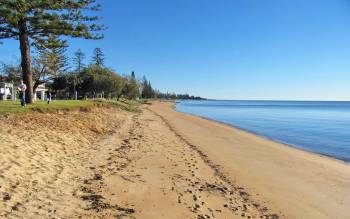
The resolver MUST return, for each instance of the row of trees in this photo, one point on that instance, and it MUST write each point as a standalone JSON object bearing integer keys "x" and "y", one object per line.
{"x": 74, "y": 79}
{"x": 36, "y": 23}
{"x": 40, "y": 24}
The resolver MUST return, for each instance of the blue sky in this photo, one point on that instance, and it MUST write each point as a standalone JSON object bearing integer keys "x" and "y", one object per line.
{"x": 228, "y": 49}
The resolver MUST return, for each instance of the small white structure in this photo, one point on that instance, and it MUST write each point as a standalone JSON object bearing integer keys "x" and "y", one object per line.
{"x": 40, "y": 92}
{"x": 7, "y": 91}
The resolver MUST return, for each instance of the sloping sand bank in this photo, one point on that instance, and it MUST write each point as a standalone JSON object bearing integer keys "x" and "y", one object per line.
{"x": 109, "y": 163}
{"x": 297, "y": 183}
{"x": 46, "y": 158}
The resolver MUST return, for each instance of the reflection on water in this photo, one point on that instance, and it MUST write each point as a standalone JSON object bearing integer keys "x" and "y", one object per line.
{"x": 318, "y": 126}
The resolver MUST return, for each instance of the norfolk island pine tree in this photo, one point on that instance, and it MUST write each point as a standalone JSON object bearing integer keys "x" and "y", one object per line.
{"x": 33, "y": 21}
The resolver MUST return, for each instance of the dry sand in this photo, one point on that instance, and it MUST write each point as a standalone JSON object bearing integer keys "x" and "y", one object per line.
{"x": 158, "y": 163}
{"x": 297, "y": 183}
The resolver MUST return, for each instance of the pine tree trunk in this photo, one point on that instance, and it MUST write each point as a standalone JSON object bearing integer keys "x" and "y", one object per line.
{"x": 26, "y": 63}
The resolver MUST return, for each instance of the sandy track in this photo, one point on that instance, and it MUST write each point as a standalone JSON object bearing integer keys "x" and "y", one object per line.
{"x": 111, "y": 164}
{"x": 156, "y": 174}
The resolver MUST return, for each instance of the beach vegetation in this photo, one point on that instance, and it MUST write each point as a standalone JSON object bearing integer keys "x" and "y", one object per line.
{"x": 99, "y": 58}
{"x": 131, "y": 88}
{"x": 78, "y": 60}
{"x": 34, "y": 22}
{"x": 50, "y": 61}
{"x": 13, "y": 107}
{"x": 147, "y": 90}
{"x": 44, "y": 27}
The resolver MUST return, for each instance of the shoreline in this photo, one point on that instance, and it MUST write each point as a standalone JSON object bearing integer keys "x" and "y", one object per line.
{"x": 300, "y": 148}
{"x": 112, "y": 163}
{"x": 295, "y": 182}
{"x": 109, "y": 163}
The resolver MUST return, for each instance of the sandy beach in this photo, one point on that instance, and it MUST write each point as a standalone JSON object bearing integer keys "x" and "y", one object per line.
{"x": 296, "y": 183}
{"x": 159, "y": 163}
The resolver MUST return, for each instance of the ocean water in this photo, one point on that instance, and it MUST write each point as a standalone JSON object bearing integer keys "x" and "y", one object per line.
{"x": 321, "y": 127}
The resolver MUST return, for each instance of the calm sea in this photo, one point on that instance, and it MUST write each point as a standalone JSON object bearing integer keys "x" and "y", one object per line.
{"x": 318, "y": 126}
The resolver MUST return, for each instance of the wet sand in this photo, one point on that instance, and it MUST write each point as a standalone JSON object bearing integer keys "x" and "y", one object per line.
{"x": 158, "y": 163}
{"x": 297, "y": 183}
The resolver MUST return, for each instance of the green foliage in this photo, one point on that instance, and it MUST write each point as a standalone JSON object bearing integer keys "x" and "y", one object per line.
{"x": 43, "y": 18}
{"x": 51, "y": 60}
{"x": 37, "y": 21}
{"x": 63, "y": 82}
{"x": 173, "y": 96}
{"x": 11, "y": 107}
{"x": 41, "y": 23}
{"x": 131, "y": 89}
{"x": 15, "y": 107}
{"x": 53, "y": 55}
{"x": 98, "y": 80}
{"x": 78, "y": 60}
{"x": 99, "y": 58}
{"x": 147, "y": 90}
{"x": 11, "y": 72}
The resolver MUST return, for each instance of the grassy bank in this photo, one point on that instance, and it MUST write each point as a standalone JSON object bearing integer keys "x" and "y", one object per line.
{"x": 14, "y": 107}
{"x": 129, "y": 105}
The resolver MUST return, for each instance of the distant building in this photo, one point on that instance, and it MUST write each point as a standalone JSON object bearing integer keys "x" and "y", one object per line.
{"x": 7, "y": 91}
{"x": 40, "y": 92}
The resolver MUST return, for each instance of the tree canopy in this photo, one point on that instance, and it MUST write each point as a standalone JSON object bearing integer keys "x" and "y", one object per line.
{"x": 42, "y": 18}
{"x": 78, "y": 60}
{"x": 33, "y": 22}
{"x": 98, "y": 58}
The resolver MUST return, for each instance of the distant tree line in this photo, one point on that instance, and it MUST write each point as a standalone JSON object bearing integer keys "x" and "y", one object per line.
{"x": 74, "y": 79}
{"x": 147, "y": 91}
{"x": 178, "y": 96}
{"x": 38, "y": 26}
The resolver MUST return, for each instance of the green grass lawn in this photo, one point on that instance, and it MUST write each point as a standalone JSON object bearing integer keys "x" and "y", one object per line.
{"x": 9, "y": 107}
